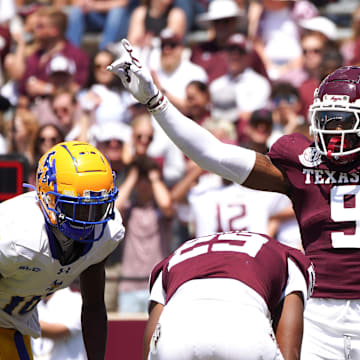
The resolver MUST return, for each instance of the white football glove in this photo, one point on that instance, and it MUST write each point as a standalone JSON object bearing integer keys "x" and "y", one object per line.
{"x": 135, "y": 78}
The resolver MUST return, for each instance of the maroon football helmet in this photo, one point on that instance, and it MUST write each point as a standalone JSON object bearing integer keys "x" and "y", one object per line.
{"x": 335, "y": 115}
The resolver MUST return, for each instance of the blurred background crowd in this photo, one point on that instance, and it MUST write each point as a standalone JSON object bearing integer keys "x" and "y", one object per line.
{"x": 244, "y": 69}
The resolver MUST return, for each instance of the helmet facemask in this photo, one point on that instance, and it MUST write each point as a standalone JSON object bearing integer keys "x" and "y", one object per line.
{"x": 337, "y": 134}
{"x": 77, "y": 216}
{"x": 335, "y": 115}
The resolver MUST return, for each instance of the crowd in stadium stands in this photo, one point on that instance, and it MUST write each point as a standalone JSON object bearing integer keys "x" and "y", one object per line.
{"x": 244, "y": 69}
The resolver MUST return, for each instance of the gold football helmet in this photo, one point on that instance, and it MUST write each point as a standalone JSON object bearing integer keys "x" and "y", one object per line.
{"x": 76, "y": 189}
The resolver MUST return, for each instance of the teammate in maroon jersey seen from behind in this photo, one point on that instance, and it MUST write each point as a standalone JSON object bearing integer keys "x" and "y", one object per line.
{"x": 321, "y": 178}
{"x": 217, "y": 297}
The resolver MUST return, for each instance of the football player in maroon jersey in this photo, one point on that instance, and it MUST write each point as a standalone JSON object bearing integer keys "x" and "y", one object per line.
{"x": 322, "y": 178}
{"x": 216, "y": 296}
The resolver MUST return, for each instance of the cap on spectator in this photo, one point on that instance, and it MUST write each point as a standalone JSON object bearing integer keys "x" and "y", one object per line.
{"x": 238, "y": 41}
{"x": 321, "y": 24}
{"x": 168, "y": 35}
{"x": 60, "y": 63}
{"x": 220, "y": 9}
{"x": 261, "y": 116}
{"x": 111, "y": 131}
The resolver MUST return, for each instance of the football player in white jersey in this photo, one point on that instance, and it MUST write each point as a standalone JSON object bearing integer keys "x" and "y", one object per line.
{"x": 48, "y": 237}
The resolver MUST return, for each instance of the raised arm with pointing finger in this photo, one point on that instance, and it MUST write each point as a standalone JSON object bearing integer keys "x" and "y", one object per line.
{"x": 231, "y": 162}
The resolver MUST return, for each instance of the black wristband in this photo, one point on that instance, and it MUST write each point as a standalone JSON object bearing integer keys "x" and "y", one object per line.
{"x": 155, "y": 101}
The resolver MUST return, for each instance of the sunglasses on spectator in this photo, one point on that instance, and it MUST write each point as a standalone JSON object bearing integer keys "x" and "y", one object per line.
{"x": 313, "y": 50}
{"x": 62, "y": 110}
{"x": 169, "y": 44}
{"x": 51, "y": 139}
{"x": 262, "y": 122}
{"x": 100, "y": 66}
{"x": 234, "y": 48}
{"x": 290, "y": 99}
{"x": 108, "y": 142}
{"x": 146, "y": 137}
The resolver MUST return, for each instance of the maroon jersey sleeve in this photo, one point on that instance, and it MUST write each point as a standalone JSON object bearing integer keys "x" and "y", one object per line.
{"x": 326, "y": 199}
{"x": 156, "y": 272}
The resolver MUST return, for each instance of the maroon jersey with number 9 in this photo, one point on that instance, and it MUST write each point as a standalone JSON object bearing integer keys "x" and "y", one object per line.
{"x": 326, "y": 201}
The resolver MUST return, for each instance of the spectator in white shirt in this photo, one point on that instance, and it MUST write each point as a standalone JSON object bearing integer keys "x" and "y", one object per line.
{"x": 241, "y": 91}
{"x": 174, "y": 71}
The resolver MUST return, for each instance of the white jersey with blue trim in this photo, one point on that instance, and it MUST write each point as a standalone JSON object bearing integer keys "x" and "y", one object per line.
{"x": 28, "y": 269}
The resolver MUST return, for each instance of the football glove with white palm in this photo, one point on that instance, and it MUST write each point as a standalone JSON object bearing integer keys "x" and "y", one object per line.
{"x": 135, "y": 78}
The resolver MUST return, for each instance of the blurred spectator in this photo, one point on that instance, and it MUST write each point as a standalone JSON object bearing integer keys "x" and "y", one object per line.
{"x": 7, "y": 12}
{"x": 150, "y": 18}
{"x": 222, "y": 129}
{"x": 258, "y": 131}
{"x": 72, "y": 119}
{"x": 60, "y": 321}
{"x": 222, "y": 18}
{"x": 330, "y": 61}
{"x": 111, "y": 18}
{"x": 278, "y": 38}
{"x": 142, "y": 135}
{"x": 197, "y": 101}
{"x": 50, "y": 33}
{"x": 46, "y": 137}
{"x": 64, "y": 110}
{"x": 23, "y": 45}
{"x": 145, "y": 204}
{"x": 60, "y": 71}
{"x": 175, "y": 72}
{"x": 350, "y": 48}
{"x": 110, "y": 138}
{"x": 103, "y": 97}
{"x": 286, "y": 110}
{"x": 21, "y": 132}
{"x": 238, "y": 93}
{"x": 148, "y": 138}
{"x": 313, "y": 45}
